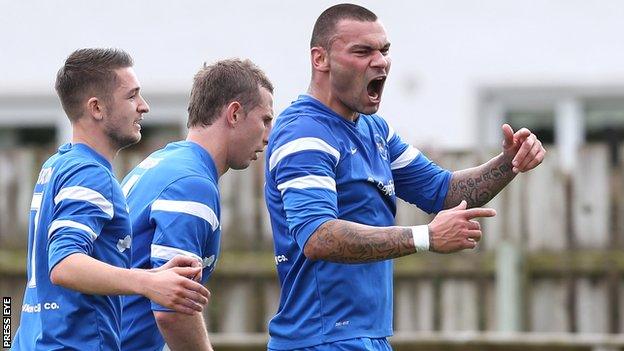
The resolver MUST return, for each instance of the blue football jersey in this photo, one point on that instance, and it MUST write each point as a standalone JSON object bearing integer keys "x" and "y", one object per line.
{"x": 173, "y": 197}
{"x": 77, "y": 207}
{"x": 320, "y": 167}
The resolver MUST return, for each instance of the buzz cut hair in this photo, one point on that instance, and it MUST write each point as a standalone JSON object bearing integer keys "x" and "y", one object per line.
{"x": 325, "y": 26}
{"x": 86, "y": 73}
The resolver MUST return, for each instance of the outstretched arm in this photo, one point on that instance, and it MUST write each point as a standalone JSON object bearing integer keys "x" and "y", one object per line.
{"x": 522, "y": 151}
{"x": 349, "y": 242}
{"x": 169, "y": 287}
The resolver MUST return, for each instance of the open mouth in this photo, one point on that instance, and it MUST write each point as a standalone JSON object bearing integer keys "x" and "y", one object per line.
{"x": 137, "y": 122}
{"x": 256, "y": 153}
{"x": 375, "y": 88}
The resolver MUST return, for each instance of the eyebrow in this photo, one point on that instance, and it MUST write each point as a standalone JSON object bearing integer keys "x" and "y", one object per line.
{"x": 369, "y": 47}
{"x": 134, "y": 91}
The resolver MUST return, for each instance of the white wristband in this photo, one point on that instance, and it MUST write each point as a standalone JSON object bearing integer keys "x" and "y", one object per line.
{"x": 420, "y": 233}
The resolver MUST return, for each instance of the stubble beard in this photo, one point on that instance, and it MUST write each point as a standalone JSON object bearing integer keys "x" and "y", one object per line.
{"x": 119, "y": 140}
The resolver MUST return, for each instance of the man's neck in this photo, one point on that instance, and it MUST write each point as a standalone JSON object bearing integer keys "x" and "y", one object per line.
{"x": 99, "y": 143}
{"x": 325, "y": 96}
{"x": 214, "y": 141}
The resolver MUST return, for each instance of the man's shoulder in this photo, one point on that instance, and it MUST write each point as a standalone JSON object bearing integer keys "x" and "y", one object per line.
{"x": 70, "y": 165}
{"x": 303, "y": 125}
{"x": 170, "y": 165}
{"x": 175, "y": 182}
{"x": 196, "y": 183}
{"x": 377, "y": 121}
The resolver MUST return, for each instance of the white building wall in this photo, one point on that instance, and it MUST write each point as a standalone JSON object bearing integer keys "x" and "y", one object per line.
{"x": 443, "y": 51}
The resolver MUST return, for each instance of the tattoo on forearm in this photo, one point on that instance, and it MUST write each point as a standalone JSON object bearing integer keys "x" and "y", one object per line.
{"x": 348, "y": 242}
{"x": 480, "y": 184}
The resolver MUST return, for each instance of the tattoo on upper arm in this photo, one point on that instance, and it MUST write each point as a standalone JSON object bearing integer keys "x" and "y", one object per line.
{"x": 346, "y": 242}
{"x": 478, "y": 187}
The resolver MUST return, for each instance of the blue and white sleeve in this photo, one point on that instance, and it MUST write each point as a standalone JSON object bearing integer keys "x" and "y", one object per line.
{"x": 83, "y": 204}
{"x": 304, "y": 170}
{"x": 186, "y": 220}
{"x": 417, "y": 180}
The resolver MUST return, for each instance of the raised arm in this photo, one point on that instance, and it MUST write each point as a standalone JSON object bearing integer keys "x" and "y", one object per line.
{"x": 522, "y": 151}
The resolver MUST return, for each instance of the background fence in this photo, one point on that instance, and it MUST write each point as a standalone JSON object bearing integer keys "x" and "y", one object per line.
{"x": 565, "y": 232}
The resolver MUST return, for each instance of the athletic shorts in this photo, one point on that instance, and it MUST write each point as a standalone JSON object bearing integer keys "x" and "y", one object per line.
{"x": 357, "y": 344}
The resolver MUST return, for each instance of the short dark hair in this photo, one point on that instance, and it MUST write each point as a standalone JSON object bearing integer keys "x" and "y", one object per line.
{"x": 88, "y": 72}
{"x": 325, "y": 25}
{"x": 222, "y": 82}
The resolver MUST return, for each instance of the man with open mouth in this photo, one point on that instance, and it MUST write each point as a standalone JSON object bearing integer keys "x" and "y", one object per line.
{"x": 334, "y": 170}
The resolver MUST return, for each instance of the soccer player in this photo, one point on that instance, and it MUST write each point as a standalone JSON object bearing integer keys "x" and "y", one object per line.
{"x": 79, "y": 232}
{"x": 174, "y": 196}
{"x": 334, "y": 170}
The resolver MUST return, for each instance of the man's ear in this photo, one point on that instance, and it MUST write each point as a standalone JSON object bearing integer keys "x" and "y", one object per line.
{"x": 95, "y": 109}
{"x": 233, "y": 113}
{"x": 320, "y": 59}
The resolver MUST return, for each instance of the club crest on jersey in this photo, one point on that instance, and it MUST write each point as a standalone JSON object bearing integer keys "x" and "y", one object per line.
{"x": 124, "y": 243}
{"x": 381, "y": 146}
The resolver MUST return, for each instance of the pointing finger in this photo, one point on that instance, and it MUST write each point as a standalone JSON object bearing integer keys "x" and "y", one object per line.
{"x": 479, "y": 212}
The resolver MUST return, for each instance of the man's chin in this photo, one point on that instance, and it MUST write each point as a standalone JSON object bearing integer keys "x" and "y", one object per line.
{"x": 127, "y": 142}
{"x": 241, "y": 166}
{"x": 369, "y": 110}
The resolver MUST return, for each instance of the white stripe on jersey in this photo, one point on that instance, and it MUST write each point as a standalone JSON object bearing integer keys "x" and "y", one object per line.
{"x": 189, "y": 207}
{"x": 35, "y": 204}
{"x": 166, "y": 252}
{"x": 85, "y": 194}
{"x": 62, "y": 223}
{"x": 309, "y": 181}
{"x": 129, "y": 184}
{"x": 301, "y": 144}
{"x": 149, "y": 162}
{"x": 390, "y": 134}
{"x": 406, "y": 158}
